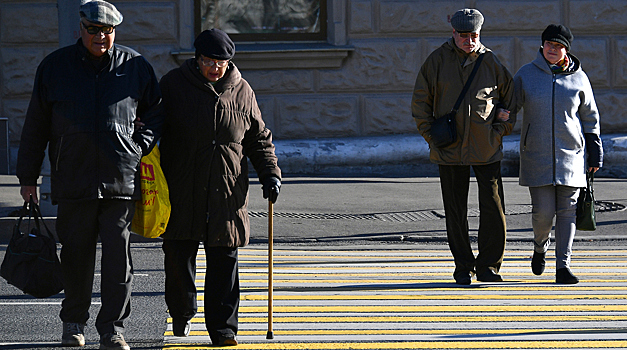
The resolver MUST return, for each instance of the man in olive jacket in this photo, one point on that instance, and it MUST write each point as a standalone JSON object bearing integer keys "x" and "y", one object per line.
{"x": 482, "y": 120}
{"x": 213, "y": 125}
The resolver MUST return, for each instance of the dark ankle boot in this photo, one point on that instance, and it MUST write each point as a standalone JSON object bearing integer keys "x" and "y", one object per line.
{"x": 537, "y": 263}
{"x": 564, "y": 276}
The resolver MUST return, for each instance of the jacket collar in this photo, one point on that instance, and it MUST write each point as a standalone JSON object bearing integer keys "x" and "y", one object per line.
{"x": 542, "y": 63}
{"x": 230, "y": 79}
{"x": 466, "y": 58}
{"x": 85, "y": 53}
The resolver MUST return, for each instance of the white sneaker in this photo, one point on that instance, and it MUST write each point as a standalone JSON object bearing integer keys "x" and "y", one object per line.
{"x": 113, "y": 341}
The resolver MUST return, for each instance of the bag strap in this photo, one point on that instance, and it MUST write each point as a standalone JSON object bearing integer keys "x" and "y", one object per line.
{"x": 23, "y": 213}
{"x": 38, "y": 216}
{"x": 467, "y": 85}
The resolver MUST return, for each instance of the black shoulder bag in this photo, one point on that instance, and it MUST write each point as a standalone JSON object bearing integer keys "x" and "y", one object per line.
{"x": 31, "y": 262}
{"x": 444, "y": 129}
{"x": 586, "y": 220}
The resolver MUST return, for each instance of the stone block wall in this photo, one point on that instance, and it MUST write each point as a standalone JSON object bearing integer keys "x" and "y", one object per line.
{"x": 370, "y": 93}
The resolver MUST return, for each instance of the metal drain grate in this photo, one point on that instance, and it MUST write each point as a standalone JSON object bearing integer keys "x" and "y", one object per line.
{"x": 420, "y": 215}
{"x": 408, "y": 216}
{"x": 257, "y": 214}
{"x": 601, "y": 206}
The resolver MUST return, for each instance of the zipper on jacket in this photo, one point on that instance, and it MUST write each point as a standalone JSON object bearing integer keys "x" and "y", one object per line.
{"x": 553, "y": 125}
{"x": 56, "y": 166}
{"x": 526, "y": 136}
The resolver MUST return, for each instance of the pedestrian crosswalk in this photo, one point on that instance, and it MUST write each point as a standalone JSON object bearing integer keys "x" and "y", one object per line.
{"x": 405, "y": 298}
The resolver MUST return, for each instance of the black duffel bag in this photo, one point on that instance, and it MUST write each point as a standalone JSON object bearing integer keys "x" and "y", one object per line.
{"x": 31, "y": 262}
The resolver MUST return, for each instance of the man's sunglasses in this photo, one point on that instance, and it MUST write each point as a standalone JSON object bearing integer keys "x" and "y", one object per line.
{"x": 96, "y": 29}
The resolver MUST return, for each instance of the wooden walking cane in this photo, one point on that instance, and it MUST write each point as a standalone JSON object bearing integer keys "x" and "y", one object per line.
{"x": 270, "y": 334}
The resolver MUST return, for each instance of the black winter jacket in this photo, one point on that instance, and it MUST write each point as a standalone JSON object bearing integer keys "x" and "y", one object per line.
{"x": 87, "y": 119}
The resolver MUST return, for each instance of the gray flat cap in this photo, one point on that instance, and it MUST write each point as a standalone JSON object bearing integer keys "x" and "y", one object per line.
{"x": 101, "y": 12}
{"x": 467, "y": 20}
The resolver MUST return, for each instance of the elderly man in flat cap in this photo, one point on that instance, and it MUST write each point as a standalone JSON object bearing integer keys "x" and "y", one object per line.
{"x": 85, "y": 102}
{"x": 212, "y": 127}
{"x": 480, "y": 114}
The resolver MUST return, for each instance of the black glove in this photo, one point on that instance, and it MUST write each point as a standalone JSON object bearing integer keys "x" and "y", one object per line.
{"x": 271, "y": 187}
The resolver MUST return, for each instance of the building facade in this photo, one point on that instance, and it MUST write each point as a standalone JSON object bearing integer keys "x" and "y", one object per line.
{"x": 355, "y": 83}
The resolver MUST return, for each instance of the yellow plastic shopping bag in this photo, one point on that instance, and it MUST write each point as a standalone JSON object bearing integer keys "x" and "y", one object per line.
{"x": 152, "y": 212}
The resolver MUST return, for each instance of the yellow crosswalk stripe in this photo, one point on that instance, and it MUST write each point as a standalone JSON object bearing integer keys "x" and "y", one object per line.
{"x": 407, "y": 299}
{"x": 567, "y": 344}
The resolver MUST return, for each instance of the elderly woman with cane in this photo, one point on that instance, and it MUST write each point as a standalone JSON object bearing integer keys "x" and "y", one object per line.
{"x": 213, "y": 125}
{"x": 559, "y": 142}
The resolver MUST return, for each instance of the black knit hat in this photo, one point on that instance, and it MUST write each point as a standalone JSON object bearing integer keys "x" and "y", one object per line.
{"x": 559, "y": 34}
{"x": 214, "y": 43}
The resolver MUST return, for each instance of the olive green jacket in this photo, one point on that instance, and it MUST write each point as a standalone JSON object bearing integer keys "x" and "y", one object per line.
{"x": 438, "y": 85}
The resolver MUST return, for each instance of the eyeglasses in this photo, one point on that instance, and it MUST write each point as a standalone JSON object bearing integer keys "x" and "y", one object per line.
{"x": 210, "y": 63}
{"x": 469, "y": 35}
{"x": 93, "y": 30}
{"x": 553, "y": 45}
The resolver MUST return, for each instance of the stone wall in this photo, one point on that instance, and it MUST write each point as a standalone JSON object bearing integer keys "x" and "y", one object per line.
{"x": 370, "y": 93}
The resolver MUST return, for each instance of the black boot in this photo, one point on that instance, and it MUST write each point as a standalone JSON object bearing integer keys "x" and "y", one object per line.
{"x": 537, "y": 263}
{"x": 564, "y": 276}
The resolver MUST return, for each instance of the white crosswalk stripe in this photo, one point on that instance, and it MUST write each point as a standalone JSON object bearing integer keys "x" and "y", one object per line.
{"x": 406, "y": 299}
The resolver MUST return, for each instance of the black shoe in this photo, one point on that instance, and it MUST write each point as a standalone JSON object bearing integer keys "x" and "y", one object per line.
{"x": 538, "y": 263}
{"x": 73, "y": 334}
{"x": 181, "y": 328}
{"x": 564, "y": 276}
{"x": 226, "y": 340}
{"x": 464, "y": 278}
{"x": 489, "y": 276}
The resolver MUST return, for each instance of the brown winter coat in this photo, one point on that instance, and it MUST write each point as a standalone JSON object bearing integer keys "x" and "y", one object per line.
{"x": 209, "y": 132}
{"x": 438, "y": 85}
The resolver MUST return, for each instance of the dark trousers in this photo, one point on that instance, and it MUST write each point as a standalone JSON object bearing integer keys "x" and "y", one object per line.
{"x": 454, "y": 181}
{"x": 222, "y": 292}
{"x": 79, "y": 223}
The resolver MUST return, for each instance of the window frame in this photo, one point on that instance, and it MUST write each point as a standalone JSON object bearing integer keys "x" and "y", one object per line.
{"x": 323, "y": 54}
{"x": 272, "y": 37}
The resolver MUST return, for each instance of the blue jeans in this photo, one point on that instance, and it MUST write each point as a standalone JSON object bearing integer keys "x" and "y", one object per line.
{"x": 558, "y": 202}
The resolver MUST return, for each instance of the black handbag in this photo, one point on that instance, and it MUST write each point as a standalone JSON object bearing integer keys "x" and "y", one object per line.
{"x": 31, "y": 262}
{"x": 586, "y": 220}
{"x": 444, "y": 129}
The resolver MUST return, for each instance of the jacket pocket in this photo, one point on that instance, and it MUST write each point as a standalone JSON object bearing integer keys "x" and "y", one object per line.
{"x": 524, "y": 144}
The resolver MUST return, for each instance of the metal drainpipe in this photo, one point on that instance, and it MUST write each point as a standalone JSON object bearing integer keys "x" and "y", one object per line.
{"x": 68, "y": 34}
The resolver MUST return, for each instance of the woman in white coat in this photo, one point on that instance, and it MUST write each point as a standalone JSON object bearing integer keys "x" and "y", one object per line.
{"x": 560, "y": 141}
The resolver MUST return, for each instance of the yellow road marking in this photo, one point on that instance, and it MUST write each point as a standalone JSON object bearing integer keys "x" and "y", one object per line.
{"x": 404, "y": 281}
{"x": 434, "y": 318}
{"x": 441, "y": 308}
{"x": 406, "y": 274}
{"x": 413, "y": 331}
{"x": 539, "y": 285}
{"x": 435, "y": 308}
{"x": 435, "y": 297}
{"x": 527, "y": 344}
{"x": 504, "y": 269}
